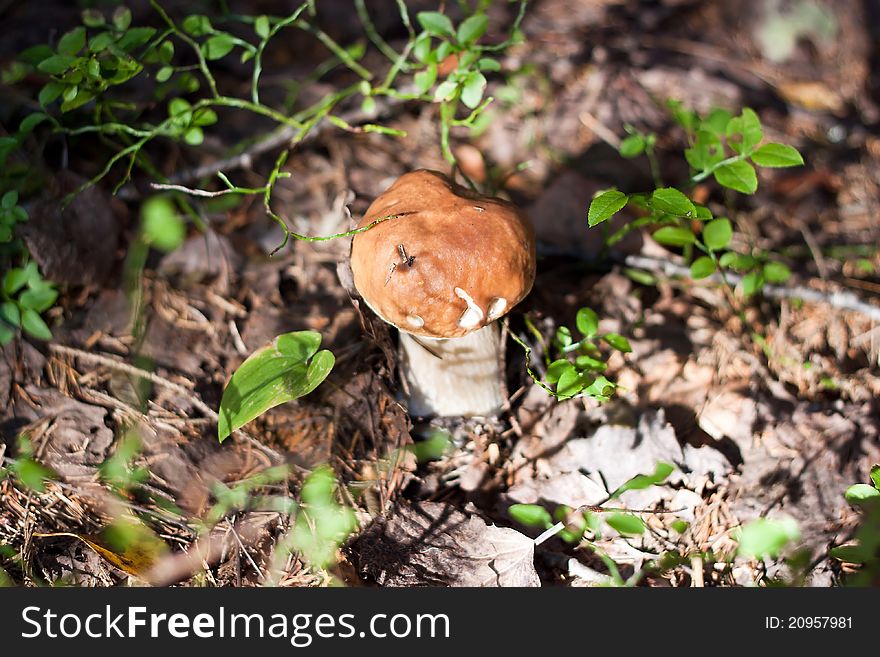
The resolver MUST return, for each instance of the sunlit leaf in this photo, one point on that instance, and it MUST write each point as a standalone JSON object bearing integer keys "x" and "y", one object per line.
{"x": 284, "y": 370}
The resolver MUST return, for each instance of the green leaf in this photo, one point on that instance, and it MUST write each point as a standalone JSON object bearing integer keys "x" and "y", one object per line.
{"x": 14, "y": 279}
{"x": 433, "y": 22}
{"x": 739, "y": 176}
{"x": 669, "y": 200}
{"x": 136, "y": 36}
{"x": 748, "y": 126}
{"x": 160, "y": 225}
{"x": 92, "y": 18}
{"x": 445, "y": 90}
{"x": 164, "y": 73}
{"x": 556, "y": 369}
{"x": 218, "y": 46}
{"x": 122, "y": 18}
{"x": 424, "y": 80}
{"x": 194, "y": 136}
{"x": 488, "y": 64}
{"x": 752, "y": 283}
{"x": 764, "y": 537}
{"x": 585, "y": 362}
{"x": 101, "y": 42}
{"x": 777, "y": 155}
{"x": 875, "y": 475}
{"x": 197, "y": 25}
{"x": 600, "y": 388}
{"x": 702, "y": 213}
{"x": 472, "y": 28}
{"x": 275, "y": 374}
{"x": 422, "y": 47}
{"x": 702, "y": 267}
{"x": 605, "y": 206}
{"x": 661, "y": 472}
{"x": 625, "y": 523}
{"x": 717, "y": 234}
{"x": 632, "y": 146}
{"x": 587, "y": 322}
{"x": 72, "y": 42}
{"x": 618, "y": 342}
{"x": 860, "y": 493}
{"x": 717, "y": 121}
{"x": 34, "y": 325}
{"x": 472, "y": 90}
{"x": 776, "y": 272}
{"x": 50, "y": 91}
{"x": 850, "y": 553}
{"x": 570, "y": 383}
{"x": 675, "y": 236}
{"x": 31, "y": 474}
{"x": 262, "y": 27}
{"x": 39, "y": 299}
{"x": 10, "y": 313}
{"x": 531, "y": 515}
{"x": 9, "y": 200}
{"x": 57, "y": 64}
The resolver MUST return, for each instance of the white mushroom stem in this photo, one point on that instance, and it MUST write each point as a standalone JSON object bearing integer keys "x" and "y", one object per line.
{"x": 455, "y": 376}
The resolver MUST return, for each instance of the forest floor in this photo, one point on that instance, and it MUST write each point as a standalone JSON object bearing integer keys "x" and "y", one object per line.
{"x": 769, "y": 412}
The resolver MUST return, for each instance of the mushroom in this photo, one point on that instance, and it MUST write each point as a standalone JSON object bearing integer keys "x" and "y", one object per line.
{"x": 442, "y": 269}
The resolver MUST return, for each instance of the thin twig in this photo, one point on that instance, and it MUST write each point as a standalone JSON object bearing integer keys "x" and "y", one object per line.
{"x": 840, "y": 300}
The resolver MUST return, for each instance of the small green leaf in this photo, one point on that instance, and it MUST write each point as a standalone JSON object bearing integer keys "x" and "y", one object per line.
{"x": 717, "y": 121}
{"x": 739, "y": 176}
{"x": 600, "y": 388}
{"x": 585, "y": 362}
{"x": 164, "y": 73}
{"x": 38, "y": 299}
{"x": 777, "y": 155}
{"x": 570, "y": 383}
{"x": 92, "y": 18}
{"x": 859, "y": 493}
{"x": 680, "y": 526}
{"x": 433, "y": 22}
{"x": 31, "y": 474}
{"x": 776, "y": 272}
{"x": 424, "y": 80}
{"x": 9, "y": 199}
{"x": 194, "y": 136}
{"x": 717, "y": 234}
{"x": 587, "y": 322}
{"x": 875, "y": 475}
{"x": 472, "y": 28}
{"x": 488, "y": 64}
{"x": 530, "y": 515}
{"x": 748, "y": 126}
{"x": 632, "y": 146}
{"x": 556, "y": 369}
{"x": 445, "y": 90}
{"x": 605, "y": 206}
{"x": 472, "y": 90}
{"x": 72, "y": 42}
{"x": 702, "y": 267}
{"x": 14, "y": 280}
{"x": 218, "y": 46}
{"x": 10, "y": 313}
{"x": 34, "y": 325}
{"x": 197, "y": 25}
{"x": 262, "y": 27}
{"x": 850, "y": 553}
{"x": 661, "y": 473}
{"x": 752, "y": 283}
{"x": 675, "y": 236}
{"x": 160, "y": 225}
{"x": 422, "y": 47}
{"x": 764, "y": 537}
{"x": 618, "y": 342}
{"x": 57, "y": 64}
{"x": 122, "y": 18}
{"x": 625, "y": 523}
{"x": 669, "y": 200}
{"x": 277, "y": 373}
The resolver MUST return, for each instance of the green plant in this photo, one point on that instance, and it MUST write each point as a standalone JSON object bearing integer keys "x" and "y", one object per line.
{"x": 579, "y": 365}
{"x": 723, "y": 147}
{"x": 863, "y": 552}
{"x": 25, "y": 293}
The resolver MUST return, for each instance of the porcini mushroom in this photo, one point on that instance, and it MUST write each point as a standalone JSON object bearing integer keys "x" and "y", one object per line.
{"x": 446, "y": 266}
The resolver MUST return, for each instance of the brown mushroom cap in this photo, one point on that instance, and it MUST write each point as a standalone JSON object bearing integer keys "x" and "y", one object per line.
{"x": 448, "y": 263}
